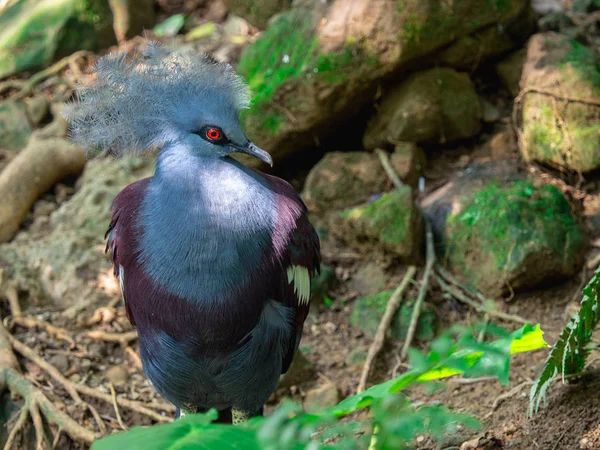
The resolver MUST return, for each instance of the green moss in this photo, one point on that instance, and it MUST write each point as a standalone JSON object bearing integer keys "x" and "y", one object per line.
{"x": 283, "y": 51}
{"x": 505, "y": 223}
{"x": 585, "y": 64}
{"x": 288, "y": 50}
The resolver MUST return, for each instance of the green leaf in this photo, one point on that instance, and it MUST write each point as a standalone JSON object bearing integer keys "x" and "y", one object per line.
{"x": 474, "y": 359}
{"x": 170, "y": 27}
{"x": 193, "y": 431}
{"x": 569, "y": 353}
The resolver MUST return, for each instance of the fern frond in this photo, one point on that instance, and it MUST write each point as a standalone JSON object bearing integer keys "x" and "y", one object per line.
{"x": 569, "y": 353}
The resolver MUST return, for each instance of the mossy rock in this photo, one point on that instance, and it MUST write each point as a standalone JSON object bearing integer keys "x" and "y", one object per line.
{"x": 33, "y": 33}
{"x": 509, "y": 71}
{"x": 513, "y": 236}
{"x": 343, "y": 179}
{"x": 436, "y": 105}
{"x": 393, "y": 222}
{"x": 258, "y": 12}
{"x": 15, "y": 129}
{"x": 468, "y": 52}
{"x": 557, "y": 130}
{"x": 368, "y": 311}
{"x": 321, "y": 62}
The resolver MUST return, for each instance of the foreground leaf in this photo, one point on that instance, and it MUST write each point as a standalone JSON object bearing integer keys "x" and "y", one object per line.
{"x": 569, "y": 353}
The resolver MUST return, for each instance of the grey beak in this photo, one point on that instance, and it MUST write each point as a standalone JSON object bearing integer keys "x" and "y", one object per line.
{"x": 259, "y": 153}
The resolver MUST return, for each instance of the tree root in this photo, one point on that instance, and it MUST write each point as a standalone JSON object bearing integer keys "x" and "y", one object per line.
{"x": 31, "y": 173}
{"x": 26, "y": 87}
{"x": 122, "y": 338}
{"x": 31, "y": 322}
{"x": 74, "y": 389}
{"x": 36, "y": 403}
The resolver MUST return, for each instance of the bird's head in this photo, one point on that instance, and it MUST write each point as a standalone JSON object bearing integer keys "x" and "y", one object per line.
{"x": 159, "y": 98}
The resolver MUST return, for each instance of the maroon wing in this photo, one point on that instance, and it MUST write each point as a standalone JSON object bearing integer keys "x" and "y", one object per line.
{"x": 120, "y": 236}
{"x": 296, "y": 245}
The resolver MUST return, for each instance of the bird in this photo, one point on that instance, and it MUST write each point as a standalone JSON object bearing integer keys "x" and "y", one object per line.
{"x": 214, "y": 258}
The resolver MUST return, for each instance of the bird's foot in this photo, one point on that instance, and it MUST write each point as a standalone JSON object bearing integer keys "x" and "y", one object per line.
{"x": 187, "y": 408}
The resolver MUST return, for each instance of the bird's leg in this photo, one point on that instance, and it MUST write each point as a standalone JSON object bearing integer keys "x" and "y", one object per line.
{"x": 187, "y": 408}
{"x": 239, "y": 415}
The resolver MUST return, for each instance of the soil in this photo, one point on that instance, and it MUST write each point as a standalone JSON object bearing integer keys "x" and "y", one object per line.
{"x": 571, "y": 419}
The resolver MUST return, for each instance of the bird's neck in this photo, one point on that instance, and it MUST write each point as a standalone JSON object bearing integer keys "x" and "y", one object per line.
{"x": 204, "y": 220}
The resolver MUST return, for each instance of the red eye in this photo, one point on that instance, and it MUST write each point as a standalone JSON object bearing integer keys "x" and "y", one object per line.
{"x": 213, "y": 134}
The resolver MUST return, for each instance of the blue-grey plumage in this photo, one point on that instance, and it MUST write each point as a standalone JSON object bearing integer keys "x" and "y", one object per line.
{"x": 214, "y": 258}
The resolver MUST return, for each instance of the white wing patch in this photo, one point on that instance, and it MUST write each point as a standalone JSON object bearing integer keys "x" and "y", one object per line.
{"x": 122, "y": 281}
{"x": 299, "y": 276}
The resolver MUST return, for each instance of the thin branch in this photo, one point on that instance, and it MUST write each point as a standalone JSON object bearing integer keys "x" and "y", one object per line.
{"x": 113, "y": 394}
{"x": 453, "y": 289}
{"x": 430, "y": 262}
{"x": 384, "y": 324}
{"x": 389, "y": 169}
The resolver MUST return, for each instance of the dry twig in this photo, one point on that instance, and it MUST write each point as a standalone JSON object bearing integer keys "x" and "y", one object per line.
{"x": 113, "y": 394}
{"x": 453, "y": 289}
{"x": 384, "y": 159}
{"x": 386, "y": 320}
{"x": 430, "y": 262}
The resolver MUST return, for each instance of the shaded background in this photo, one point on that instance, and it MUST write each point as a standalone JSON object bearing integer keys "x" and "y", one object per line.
{"x": 488, "y": 111}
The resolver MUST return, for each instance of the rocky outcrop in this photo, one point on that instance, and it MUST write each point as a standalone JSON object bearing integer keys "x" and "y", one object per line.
{"x": 560, "y": 107}
{"x": 320, "y": 62}
{"x": 500, "y": 232}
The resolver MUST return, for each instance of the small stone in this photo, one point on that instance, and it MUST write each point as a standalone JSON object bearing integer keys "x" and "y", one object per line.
{"x": 85, "y": 364}
{"x": 37, "y": 109}
{"x": 357, "y": 357}
{"x": 369, "y": 279}
{"x": 491, "y": 114}
{"x": 97, "y": 349}
{"x": 117, "y": 375}
{"x": 60, "y": 361}
{"x": 321, "y": 397}
{"x": 503, "y": 145}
